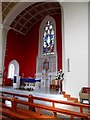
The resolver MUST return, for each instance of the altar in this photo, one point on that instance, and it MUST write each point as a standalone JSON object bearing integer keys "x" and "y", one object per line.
{"x": 29, "y": 83}
{"x": 31, "y": 80}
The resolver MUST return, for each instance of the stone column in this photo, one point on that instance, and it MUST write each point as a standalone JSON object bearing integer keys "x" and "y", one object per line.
{"x": 1, "y": 56}
{"x": 3, "y": 37}
{"x": 1, "y": 66}
{"x": 4, "y": 43}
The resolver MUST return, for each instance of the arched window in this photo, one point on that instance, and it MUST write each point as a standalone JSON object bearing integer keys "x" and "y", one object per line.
{"x": 47, "y": 47}
{"x": 11, "y": 71}
{"x": 48, "y": 38}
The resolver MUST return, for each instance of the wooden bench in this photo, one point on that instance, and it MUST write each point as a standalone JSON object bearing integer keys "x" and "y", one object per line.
{"x": 8, "y": 111}
{"x": 12, "y": 114}
{"x": 14, "y": 110}
{"x": 39, "y": 107}
{"x": 19, "y": 113}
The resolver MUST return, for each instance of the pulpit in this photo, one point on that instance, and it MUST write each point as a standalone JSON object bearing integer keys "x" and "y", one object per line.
{"x": 60, "y": 86}
{"x": 57, "y": 83}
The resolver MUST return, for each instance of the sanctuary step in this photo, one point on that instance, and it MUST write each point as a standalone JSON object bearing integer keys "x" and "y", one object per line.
{"x": 42, "y": 92}
{"x": 69, "y": 98}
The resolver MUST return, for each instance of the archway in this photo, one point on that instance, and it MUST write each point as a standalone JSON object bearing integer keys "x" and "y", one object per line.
{"x": 8, "y": 21}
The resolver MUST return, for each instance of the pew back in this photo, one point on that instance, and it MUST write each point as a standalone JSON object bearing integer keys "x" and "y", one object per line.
{"x": 39, "y": 107}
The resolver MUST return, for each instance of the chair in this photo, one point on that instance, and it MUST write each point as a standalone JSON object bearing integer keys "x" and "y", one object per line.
{"x": 84, "y": 94}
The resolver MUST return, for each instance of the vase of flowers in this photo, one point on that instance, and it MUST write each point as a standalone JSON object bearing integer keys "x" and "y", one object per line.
{"x": 60, "y": 77}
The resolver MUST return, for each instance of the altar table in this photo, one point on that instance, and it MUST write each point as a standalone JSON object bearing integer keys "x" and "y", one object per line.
{"x": 32, "y": 80}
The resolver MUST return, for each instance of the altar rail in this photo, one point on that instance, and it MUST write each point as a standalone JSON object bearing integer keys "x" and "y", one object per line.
{"x": 38, "y": 107}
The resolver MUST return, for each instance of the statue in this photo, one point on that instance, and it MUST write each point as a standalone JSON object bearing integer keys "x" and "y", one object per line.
{"x": 44, "y": 80}
{"x": 45, "y": 64}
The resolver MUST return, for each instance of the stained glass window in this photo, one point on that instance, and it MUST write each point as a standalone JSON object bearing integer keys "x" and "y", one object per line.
{"x": 48, "y": 38}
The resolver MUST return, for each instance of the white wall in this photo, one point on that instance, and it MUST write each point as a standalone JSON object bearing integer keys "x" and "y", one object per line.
{"x": 88, "y": 43}
{"x": 1, "y": 43}
{"x": 76, "y": 46}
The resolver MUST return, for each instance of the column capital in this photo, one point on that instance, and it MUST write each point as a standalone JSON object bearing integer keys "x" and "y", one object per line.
{"x": 6, "y": 27}
{"x": 1, "y": 25}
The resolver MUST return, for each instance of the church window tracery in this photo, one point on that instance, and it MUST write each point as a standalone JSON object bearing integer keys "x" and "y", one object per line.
{"x": 48, "y": 38}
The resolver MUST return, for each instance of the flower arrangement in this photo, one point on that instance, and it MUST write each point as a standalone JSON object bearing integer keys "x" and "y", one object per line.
{"x": 60, "y": 75}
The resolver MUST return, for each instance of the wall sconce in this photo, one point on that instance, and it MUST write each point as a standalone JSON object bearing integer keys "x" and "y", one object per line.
{"x": 68, "y": 65}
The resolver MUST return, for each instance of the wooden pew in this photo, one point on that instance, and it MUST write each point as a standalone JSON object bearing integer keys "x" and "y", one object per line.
{"x": 52, "y": 108}
{"x": 14, "y": 110}
{"x": 38, "y": 106}
{"x": 12, "y": 114}
{"x": 8, "y": 111}
{"x": 19, "y": 113}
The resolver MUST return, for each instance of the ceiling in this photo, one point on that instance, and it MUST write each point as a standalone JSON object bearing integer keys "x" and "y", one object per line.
{"x": 6, "y": 7}
{"x": 31, "y": 15}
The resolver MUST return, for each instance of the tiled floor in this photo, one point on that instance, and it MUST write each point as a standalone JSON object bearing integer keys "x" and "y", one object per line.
{"x": 42, "y": 92}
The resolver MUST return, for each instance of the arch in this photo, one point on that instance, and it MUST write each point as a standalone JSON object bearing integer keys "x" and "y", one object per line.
{"x": 13, "y": 69}
{"x": 20, "y": 7}
{"x": 51, "y": 58}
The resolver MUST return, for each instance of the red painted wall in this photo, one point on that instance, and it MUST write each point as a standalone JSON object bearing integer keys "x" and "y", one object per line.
{"x": 14, "y": 51}
{"x": 24, "y": 49}
{"x": 59, "y": 39}
{"x": 31, "y": 50}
